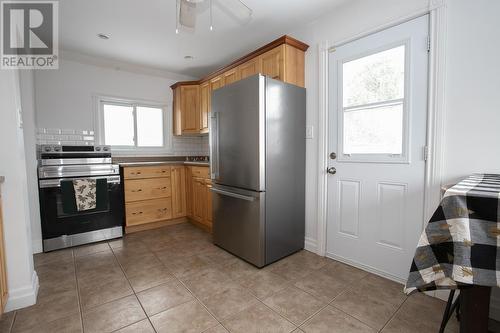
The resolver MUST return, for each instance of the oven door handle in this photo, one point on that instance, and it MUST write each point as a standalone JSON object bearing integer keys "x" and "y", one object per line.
{"x": 50, "y": 183}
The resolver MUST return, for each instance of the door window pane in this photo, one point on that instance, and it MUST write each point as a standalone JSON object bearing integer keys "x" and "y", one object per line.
{"x": 377, "y": 130}
{"x": 375, "y": 78}
{"x": 118, "y": 125}
{"x": 149, "y": 127}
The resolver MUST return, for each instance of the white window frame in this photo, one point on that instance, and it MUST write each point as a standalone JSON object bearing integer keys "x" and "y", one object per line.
{"x": 166, "y": 149}
{"x": 404, "y": 157}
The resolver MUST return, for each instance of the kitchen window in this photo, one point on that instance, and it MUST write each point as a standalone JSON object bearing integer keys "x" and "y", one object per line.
{"x": 133, "y": 126}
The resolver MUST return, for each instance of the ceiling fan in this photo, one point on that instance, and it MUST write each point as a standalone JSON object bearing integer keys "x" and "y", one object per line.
{"x": 188, "y": 10}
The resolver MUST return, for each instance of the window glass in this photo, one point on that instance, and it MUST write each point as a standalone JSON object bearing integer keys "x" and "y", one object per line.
{"x": 118, "y": 125}
{"x": 374, "y": 78}
{"x": 149, "y": 127}
{"x": 377, "y": 130}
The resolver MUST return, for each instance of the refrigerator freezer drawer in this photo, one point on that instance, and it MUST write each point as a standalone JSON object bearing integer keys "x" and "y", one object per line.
{"x": 239, "y": 223}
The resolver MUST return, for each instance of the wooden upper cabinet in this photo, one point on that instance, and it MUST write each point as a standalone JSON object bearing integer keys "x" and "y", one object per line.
{"x": 231, "y": 76}
{"x": 190, "y": 101}
{"x": 282, "y": 59}
{"x": 204, "y": 106}
{"x": 294, "y": 66}
{"x": 217, "y": 82}
{"x": 273, "y": 64}
{"x": 249, "y": 68}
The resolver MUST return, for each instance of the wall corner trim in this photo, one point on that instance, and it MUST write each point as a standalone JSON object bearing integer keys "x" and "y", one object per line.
{"x": 23, "y": 296}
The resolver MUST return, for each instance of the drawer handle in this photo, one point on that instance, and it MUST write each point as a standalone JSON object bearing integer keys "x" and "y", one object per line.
{"x": 136, "y": 213}
{"x": 139, "y": 190}
{"x": 162, "y": 188}
{"x": 162, "y": 209}
{"x": 135, "y": 173}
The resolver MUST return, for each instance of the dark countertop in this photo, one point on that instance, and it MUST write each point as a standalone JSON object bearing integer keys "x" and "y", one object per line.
{"x": 153, "y": 163}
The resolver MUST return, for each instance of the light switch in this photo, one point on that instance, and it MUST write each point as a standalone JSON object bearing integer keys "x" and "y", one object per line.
{"x": 309, "y": 132}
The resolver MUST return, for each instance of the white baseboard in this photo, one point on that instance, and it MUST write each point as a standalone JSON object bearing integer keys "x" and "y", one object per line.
{"x": 24, "y": 296}
{"x": 310, "y": 245}
{"x": 37, "y": 246}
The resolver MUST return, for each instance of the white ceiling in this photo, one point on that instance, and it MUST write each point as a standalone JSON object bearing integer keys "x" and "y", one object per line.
{"x": 143, "y": 32}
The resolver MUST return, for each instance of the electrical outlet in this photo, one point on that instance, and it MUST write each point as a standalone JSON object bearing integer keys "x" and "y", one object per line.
{"x": 309, "y": 132}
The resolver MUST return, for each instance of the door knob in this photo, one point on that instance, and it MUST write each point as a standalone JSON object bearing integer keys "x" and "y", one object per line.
{"x": 331, "y": 170}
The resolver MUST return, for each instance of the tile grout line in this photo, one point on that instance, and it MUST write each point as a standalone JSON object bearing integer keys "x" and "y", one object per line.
{"x": 134, "y": 293}
{"x": 394, "y": 314}
{"x": 78, "y": 291}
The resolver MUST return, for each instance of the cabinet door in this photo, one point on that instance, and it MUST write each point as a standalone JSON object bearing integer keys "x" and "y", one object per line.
{"x": 190, "y": 96}
{"x": 273, "y": 64}
{"x": 189, "y": 191}
{"x": 198, "y": 199}
{"x": 178, "y": 179}
{"x": 249, "y": 68}
{"x": 217, "y": 82}
{"x": 177, "y": 113}
{"x": 208, "y": 201}
{"x": 204, "y": 106}
{"x": 231, "y": 76}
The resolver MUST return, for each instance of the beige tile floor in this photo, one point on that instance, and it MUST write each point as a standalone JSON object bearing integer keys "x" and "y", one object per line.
{"x": 174, "y": 280}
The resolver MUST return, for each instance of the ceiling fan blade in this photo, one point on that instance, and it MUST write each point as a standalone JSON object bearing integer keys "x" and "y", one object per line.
{"x": 187, "y": 14}
{"x": 235, "y": 9}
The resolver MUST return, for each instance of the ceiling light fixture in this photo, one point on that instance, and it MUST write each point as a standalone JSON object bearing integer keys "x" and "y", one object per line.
{"x": 102, "y": 36}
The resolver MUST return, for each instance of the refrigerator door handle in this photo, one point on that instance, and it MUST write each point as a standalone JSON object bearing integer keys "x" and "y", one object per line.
{"x": 234, "y": 195}
{"x": 214, "y": 135}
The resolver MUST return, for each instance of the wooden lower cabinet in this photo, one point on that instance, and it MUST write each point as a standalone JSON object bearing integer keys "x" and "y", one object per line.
{"x": 199, "y": 205}
{"x": 3, "y": 266}
{"x": 199, "y": 196}
{"x": 178, "y": 180}
{"x": 154, "y": 196}
{"x": 140, "y": 212}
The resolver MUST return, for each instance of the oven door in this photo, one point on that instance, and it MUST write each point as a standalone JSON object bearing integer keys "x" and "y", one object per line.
{"x": 56, "y": 222}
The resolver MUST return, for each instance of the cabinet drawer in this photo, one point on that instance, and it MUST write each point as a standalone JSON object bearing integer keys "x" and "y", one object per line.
{"x": 148, "y": 211}
{"x": 201, "y": 172}
{"x": 144, "y": 189}
{"x": 146, "y": 172}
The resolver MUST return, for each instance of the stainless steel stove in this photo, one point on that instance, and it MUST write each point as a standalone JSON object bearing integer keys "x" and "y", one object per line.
{"x": 62, "y": 228}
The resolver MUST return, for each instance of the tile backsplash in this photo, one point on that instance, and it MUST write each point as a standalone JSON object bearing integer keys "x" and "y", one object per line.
{"x": 181, "y": 146}
{"x": 65, "y": 136}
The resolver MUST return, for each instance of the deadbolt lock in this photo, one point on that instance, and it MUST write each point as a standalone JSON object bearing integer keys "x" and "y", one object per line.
{"x": 333, "y": 156}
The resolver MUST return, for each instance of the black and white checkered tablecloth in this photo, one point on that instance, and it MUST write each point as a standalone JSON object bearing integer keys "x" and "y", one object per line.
{"x": 461, "y": 242}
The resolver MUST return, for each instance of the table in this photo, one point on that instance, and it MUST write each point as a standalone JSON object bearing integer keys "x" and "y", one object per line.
{"x": 460, "y": 248}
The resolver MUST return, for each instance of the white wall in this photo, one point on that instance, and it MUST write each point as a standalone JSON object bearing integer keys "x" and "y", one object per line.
{"x": 472, "y": 125}
{"x": 64, "y": 96}
{"x": 27, "y": 84}
{"x": 22, "y": 279}
{"x": 349, "y": 20}
{"x": 472, "y": 120}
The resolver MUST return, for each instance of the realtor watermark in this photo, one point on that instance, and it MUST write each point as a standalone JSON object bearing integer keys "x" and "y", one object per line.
{"x": 29, "y": 35}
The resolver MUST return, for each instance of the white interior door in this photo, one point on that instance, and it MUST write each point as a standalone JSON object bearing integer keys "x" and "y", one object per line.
{"x": 377, "y": 130}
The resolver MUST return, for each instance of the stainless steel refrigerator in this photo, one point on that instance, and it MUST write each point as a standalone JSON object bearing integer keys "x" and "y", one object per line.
{"x": 257, "y": 143}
